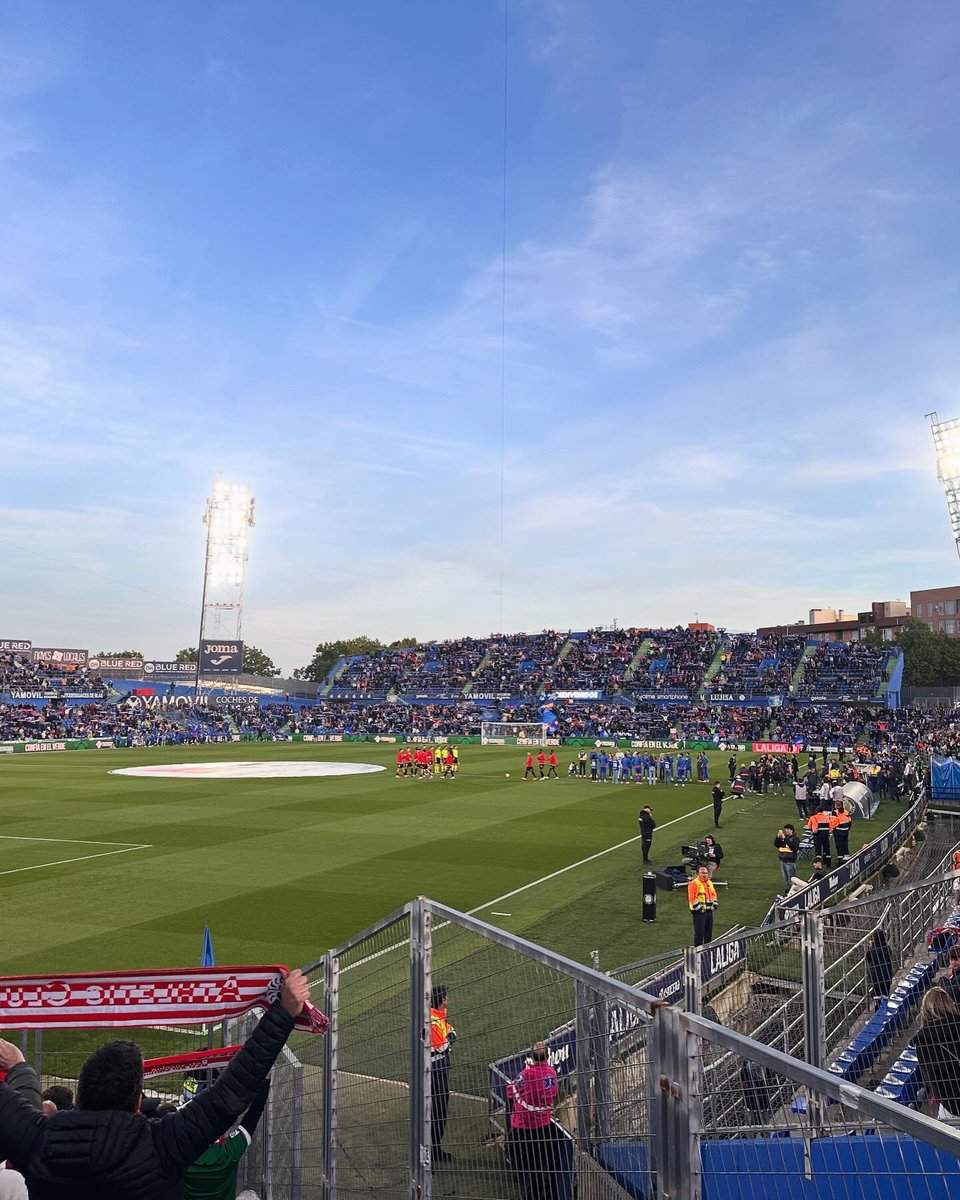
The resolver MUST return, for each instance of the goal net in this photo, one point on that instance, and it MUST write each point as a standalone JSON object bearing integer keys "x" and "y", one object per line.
{"x": 513, "y": 733}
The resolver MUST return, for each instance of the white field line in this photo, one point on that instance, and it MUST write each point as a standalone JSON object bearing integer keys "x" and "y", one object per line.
{"x": 583, "y": 861}
{"x": 62, "y": 862}
{"x": 16, "y": 837}
{"x": 534, "y": 883}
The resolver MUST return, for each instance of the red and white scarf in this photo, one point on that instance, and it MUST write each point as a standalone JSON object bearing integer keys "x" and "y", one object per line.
{"x": 122, "y": 999}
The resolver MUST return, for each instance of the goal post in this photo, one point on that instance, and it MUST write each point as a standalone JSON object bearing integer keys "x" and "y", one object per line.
{"x": 513, "y": 733}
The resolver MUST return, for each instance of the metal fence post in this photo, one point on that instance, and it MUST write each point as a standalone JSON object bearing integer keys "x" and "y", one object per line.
{"x": 296, "y": 1134}
{"x": 328, "y": 1099}
{"x": 38, "y": 1053}
{"x": 674, "y": 1146}
{"x": 601, "y": 1066}
{"x": 266, "y": 1158}
{"x": 692, "y": 1050}
{"x": 584, "y": 1067}
{"x": 420, "y": 1094}
{"x": 814, "y": 1025}
{"x": 692, "y": 979}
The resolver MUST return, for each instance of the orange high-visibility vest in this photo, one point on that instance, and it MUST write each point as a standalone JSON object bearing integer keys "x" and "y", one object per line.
{"x": 439, "y": 1030}
{"x": 701, "y": 894}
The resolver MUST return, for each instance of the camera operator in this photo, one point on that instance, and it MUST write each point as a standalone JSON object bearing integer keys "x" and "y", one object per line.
{"x": 712, "y": 853}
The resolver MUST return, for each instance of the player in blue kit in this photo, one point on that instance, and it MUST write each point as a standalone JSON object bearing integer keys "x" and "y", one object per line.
{"x": 681, "y": 771}
{"x": 703, "y": 767}
{"x": 593, "y": 766}
{"x": 651, "y": 769}
{"x": 603, "y": 766}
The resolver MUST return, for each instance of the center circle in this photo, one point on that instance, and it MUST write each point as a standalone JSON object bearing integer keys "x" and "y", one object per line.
{"x": 249, "y": 770}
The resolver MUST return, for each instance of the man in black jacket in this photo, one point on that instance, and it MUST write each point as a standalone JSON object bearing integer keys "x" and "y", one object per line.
{"x": 787, "y": 846}
{"x": 105, "y": 1150}
{"x": 717, "y": 796}
{"x": 647, "y": 826}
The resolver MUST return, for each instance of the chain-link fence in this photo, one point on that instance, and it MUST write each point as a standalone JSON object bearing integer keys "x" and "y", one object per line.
{"x": 561, "y": 1081}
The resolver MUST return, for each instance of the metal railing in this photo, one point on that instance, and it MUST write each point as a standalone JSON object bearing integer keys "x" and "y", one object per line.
{"x": 652, "y": 1100}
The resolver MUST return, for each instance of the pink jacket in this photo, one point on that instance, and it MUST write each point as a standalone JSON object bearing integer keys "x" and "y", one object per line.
{"x": 533, "y": 1093}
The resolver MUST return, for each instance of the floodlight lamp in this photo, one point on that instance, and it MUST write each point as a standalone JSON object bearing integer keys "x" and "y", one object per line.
{"x": 946, "y": 441}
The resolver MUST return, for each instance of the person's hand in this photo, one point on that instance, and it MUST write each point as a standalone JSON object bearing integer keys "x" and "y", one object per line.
{"x": 10, "y": 1055}
{"x": 295, "y": 992}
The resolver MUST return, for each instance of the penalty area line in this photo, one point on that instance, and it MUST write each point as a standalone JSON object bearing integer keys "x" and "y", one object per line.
{"x": 472, "y": 912}
{"x": 62, "y": 862}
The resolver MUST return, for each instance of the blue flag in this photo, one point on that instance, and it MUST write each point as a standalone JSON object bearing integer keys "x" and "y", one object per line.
{"x": 206, "y": 955}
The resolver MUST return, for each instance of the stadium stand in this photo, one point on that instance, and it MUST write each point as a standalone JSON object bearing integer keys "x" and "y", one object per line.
{"x": 678, "y": 660}
{"x": 759, "y": 666}
{"x": 837, "y": 671}
{"x": 598, "y": 654}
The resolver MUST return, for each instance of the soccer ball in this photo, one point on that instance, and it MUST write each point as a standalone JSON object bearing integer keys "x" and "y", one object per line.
{"x": 507, "y": 775}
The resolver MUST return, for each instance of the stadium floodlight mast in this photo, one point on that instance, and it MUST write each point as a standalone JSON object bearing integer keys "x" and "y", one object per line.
{"x": 946, "y": 442}
{"x": 229, "y": 517}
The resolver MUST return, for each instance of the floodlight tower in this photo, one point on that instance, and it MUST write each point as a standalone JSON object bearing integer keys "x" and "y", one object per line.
{"x": 229, "y": 516}
{"x": 946, "y": 441}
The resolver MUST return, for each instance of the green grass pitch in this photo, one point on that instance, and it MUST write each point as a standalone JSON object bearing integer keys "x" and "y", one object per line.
{"x": 282, "y": 869}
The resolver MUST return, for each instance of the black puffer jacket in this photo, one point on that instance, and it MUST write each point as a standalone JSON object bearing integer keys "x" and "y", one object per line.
{"x": 115, "y": 1155}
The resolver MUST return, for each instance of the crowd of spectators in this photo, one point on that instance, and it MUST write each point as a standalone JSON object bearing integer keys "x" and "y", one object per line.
{"x": 837, "y": 670}
{"x": 517, "y": 664}
{"x": 758, "y": 666}
{"x": 600, "y": 660}
{"x": 599, "y": 654}
{"x": 677, "y": 661}
{"x": 19, "y": 673}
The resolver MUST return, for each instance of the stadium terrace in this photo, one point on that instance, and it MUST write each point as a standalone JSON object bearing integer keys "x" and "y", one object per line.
{"x": 650, "y": 684}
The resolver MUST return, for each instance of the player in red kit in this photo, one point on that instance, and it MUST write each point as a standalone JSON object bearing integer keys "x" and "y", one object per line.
{"x": 541, "y": 763}
{"x": 528, "y": 766}
{"x": 552, "y": 760}
{"x": 533, "y": 1138}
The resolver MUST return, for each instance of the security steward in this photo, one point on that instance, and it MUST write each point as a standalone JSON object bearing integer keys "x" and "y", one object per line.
{"x": 533, "y": 1142}
{"x": 819, "y": 825}
{"x": 840, "y": 824}
{"x": 702, "y": 897}
{"x": 442, "y": 1037}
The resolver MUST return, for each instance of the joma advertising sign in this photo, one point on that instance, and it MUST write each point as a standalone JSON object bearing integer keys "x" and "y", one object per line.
{"x": 221, "y": 658}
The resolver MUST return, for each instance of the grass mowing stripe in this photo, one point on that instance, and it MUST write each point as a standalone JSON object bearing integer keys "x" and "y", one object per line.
{"x": 582, "y": 862}
{"x": 533, "y": 883}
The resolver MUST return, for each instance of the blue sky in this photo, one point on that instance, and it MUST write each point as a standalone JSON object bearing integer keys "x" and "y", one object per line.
{"x": 264, "y": 238}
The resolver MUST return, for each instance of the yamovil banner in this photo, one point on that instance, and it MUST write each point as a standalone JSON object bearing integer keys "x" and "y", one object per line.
{"x": 124, "y": 999}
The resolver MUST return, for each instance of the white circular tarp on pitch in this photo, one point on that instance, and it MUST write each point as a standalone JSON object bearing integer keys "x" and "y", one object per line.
{"x": 249, "y": 770}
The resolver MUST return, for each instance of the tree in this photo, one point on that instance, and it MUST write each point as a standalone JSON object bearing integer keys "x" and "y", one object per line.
{"x": 119, "y": 654}
{"x": 188, "y": 655}
{"x": 400, "y": 643}
{"x": 929, "y": 659}
{"x": 327, "y": 654}
{"x": 255, "y": 662}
